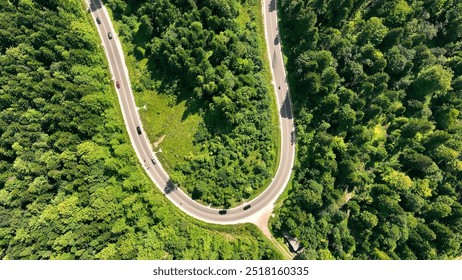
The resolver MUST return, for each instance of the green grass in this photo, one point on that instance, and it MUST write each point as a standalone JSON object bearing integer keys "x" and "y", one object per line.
{"x": 164, "y": 122}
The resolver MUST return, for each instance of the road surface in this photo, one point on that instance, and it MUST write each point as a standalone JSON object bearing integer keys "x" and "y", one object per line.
{"x": 261, "y": 205}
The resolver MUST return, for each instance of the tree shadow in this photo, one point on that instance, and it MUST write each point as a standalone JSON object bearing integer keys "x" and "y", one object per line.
{"x": 217, "y": 123}
{"x": 285, "y": 110}
{"x": 170, "y": 187}
{"x": 171, "y": 84}
{"x": 193, "y": 107}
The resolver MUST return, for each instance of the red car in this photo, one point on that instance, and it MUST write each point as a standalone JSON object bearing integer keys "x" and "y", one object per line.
{"x": 117, "y": 84}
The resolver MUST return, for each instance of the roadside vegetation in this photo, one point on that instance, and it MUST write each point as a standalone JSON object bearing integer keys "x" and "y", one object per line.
{"x": 70, "y": 184}
{"x": 378, "y": 93}
{"x": 198, "y": 74}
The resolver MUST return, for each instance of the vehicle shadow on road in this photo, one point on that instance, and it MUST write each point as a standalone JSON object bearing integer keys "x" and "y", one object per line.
{"x": 276, "y": 40}
{"x": 272, "y": 5}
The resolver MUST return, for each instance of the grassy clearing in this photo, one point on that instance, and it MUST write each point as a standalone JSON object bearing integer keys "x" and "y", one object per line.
{"x": 170, "y": 125}
{"x": 161, "y": 120}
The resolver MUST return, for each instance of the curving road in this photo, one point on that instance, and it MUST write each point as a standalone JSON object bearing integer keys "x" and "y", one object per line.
{"x": 264, "y": 203}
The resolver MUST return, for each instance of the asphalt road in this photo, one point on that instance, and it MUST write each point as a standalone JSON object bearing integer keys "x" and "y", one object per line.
{"x": 144, "y": 151}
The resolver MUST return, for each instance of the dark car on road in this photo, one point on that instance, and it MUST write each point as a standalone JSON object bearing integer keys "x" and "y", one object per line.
{"x": 109, "y": 35}
{"x": 138, "y": 129}
{"x": 247, "y": 207}
{"x": 153, "y": 161}
{"x": 222, "y": 212}
{"x": 117, "y": 84}
{"x": 98, "y": 20}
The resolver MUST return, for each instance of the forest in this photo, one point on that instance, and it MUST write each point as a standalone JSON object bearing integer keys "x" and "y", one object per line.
{"x": 70, "y": 184}
{"x": 208, "y": 55}
{"x": 377, "y": 88}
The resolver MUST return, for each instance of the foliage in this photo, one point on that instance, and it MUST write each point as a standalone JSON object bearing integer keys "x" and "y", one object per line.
{"x": 378, "y": 98}
{"x": 70, "y": 184}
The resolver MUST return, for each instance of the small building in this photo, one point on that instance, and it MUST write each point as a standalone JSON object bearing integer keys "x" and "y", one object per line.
{"x": 293, "y": 242}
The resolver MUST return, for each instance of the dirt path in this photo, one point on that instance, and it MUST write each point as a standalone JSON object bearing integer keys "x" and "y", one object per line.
{"x": 156, "y": 144}
{"x": 262, "y": 223}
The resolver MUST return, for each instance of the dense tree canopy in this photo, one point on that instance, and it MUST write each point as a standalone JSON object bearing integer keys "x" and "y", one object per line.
{"x": 377, "y": 93}
{"x": 70, "y": 185}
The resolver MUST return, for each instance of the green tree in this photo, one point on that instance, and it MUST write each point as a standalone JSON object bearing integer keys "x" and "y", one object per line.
{"x": 431, "y": 81}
